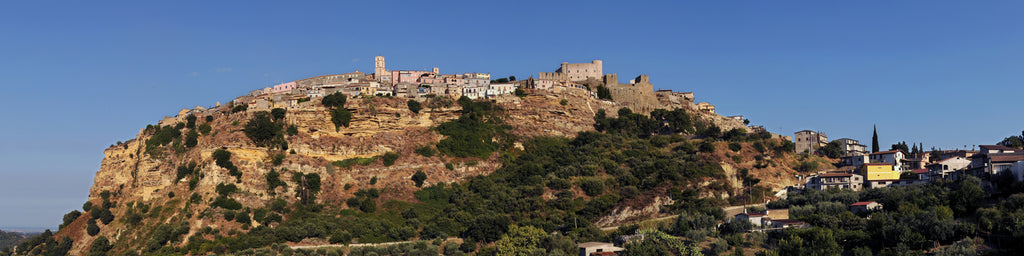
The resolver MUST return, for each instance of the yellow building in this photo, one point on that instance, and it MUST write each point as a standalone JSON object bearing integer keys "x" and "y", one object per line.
{"x": 880, "y": 171}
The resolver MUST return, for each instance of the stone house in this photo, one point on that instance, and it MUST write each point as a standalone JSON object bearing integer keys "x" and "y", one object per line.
{"x": 808, "y": 141}
{"x": 590, "y": 248}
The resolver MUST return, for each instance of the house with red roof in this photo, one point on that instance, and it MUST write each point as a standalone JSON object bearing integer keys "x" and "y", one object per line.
{"x": 868, "y": 206}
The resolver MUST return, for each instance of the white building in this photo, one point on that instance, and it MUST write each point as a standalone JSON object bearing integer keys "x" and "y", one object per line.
{"x": 941, "y": 170}
{"x": 500, "y": 89}
{"x": 894, "y": 157}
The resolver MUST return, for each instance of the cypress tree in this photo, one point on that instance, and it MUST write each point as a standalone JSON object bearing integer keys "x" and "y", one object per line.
{"x": 874, "y": 140}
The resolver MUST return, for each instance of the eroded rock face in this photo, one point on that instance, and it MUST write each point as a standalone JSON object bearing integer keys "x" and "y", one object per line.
{"x": 378, "y": 126}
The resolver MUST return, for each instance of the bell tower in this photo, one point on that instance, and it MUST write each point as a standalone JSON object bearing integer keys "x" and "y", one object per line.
{"x": 378, "y": 68}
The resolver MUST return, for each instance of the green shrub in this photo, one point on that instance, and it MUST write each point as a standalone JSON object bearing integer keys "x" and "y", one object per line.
{"x": 341, "y": 117}
{"x": 335, "y": 100}
{"x": 277, "y": 159}
{"x": 426, "y": 151}
{"x": 274, "y": 180}
{"x": 226, "y": 203}
{"x": 262, "y": 130}
{"x": 239, "y": 108}
{"x": 278, "y": 113}
{"x": 354, "y": 161}
{"x": 292, "y": 130}
{"x": 226, "y": 189}
{"x": 389, "y": 158}
{"x": 563, "y": 102}
{"x": 414, "y": 106}
{"x": 419, "y": 177}
{"x": 592, "y": 187}
{"x": 735, "y": 146}
{"x": 91, "y": 228}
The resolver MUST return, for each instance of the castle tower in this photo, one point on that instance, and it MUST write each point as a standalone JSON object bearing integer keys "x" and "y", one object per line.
{"x": 436, "y": 71}
{"x": 378, "y": 67}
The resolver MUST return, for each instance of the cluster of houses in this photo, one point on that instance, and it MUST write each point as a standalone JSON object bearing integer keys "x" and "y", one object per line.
{"x": 896, "y": 168}
{"x": 416, "y": 84}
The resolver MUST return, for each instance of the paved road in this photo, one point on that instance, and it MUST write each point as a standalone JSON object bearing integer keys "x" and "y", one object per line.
{"x": 729, "y": 211}
{"x": 363, "y": 245}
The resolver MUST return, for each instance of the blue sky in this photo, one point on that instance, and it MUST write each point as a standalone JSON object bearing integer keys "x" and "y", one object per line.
{"x": 79, "y": 76}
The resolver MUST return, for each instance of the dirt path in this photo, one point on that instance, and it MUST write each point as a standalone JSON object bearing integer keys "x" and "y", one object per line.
{"x": 729, "y": 211}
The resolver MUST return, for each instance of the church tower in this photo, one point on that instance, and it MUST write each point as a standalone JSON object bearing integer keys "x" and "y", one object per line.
{"x": 379, "y": 71}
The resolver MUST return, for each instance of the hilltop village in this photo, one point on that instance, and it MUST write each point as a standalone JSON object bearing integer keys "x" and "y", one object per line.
{"x": 586, "y": 79}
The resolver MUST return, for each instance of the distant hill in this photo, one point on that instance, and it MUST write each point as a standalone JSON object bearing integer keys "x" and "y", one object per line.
{"x": 8, "y": 240}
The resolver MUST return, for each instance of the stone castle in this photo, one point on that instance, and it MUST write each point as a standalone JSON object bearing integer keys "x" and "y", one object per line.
{"x": 638, "y": 95}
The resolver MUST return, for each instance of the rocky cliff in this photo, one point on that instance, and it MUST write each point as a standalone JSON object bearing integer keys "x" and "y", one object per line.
{"x": 129, "y": 177}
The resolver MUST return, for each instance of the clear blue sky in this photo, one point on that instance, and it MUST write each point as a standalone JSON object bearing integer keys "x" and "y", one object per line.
{"x": 79, "y": 76}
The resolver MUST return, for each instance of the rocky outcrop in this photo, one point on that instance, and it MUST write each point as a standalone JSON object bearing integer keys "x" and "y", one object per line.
{"x": 378, "y": 126}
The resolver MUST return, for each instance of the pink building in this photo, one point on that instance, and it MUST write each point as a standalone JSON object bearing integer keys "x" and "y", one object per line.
{"x": 285, "y": 87}
{"x": 408, "y": 76}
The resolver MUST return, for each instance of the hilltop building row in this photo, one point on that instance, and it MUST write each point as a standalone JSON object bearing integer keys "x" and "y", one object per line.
{"x": 637, "y": 94}
{"x": 583, "y": 79}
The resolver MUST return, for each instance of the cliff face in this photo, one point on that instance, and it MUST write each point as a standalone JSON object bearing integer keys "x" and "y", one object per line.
{"x": 378, "y": 126}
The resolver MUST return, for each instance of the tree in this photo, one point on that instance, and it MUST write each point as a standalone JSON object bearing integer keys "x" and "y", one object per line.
{"x": 205, "y": 128}
{"x": 100, "y": 246}
{"x": 261, "y": 129}
{"x": 964, "y": 200}
{"x": 419, "y": 177}
{"x": 336, "y": 100}
{"x": 278, "y": 113}
{"x": 191, "y": 139}
{"x": 414, "y": 106}
{"x": 91, "y": 228}
{"x": 190, "y": 121}
{"x": 1013, "y": 141}
{"x": 901, "y": 146}
{"x": 512, "y": 78}
{"x": 341, "y": 117}
{"x": 521, "y": 241}
{"x": 831, "y": 150}
{"x": 70, "y": 217}
{"x": 603, "y": 93}
{"x": 874, "y": 140}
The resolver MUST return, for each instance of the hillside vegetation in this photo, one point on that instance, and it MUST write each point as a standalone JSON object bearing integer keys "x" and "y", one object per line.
{"x": 372, "y": 170}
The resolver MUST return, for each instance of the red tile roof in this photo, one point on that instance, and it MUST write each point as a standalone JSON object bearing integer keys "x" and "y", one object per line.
{"x": 862, "y": 203}
{"x": 886, "y": 152}
{"x": 835, "y": 174}
{"x": 1007, "y": 158}
{"x": 920, "y": 171}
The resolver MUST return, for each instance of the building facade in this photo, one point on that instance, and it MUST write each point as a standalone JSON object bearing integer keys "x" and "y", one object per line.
{"x": 575, "y": 72}
{"x": 826, "y": 181}
{"x": 879, "y": 171}
{"x": 808, "y": 141}
{"x": 893, "y": 157}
